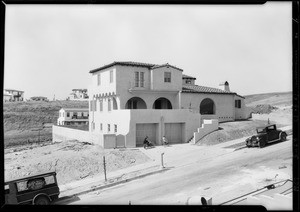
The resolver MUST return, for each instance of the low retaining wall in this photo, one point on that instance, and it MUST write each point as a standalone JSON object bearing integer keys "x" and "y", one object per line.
{"x": 60, "y": 134}
{"x": 208, "y": 126}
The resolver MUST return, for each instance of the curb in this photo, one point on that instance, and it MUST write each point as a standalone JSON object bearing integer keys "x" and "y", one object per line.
{"x": 70, "y": 197}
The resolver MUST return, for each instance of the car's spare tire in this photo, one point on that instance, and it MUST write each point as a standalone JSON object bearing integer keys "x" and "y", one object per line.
{"x": 42, "y": 200}
{"x": 283, "y": 136}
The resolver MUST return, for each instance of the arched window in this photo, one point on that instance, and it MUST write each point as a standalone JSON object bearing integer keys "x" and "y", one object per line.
{"x": 162, "y": 103}
{"x": 207, "y": 106}
{"x": 135, "y": 103}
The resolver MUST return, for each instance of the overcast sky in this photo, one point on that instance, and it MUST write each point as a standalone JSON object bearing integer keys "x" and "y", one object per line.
{"x": 50, "y": 49}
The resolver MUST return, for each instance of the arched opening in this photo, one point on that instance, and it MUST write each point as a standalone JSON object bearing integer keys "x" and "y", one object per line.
{"x": 207, "y": 106}
{"x": 115, "y": 105}
{"x": 135, "y": 103}
{"x": 162, "y": 103}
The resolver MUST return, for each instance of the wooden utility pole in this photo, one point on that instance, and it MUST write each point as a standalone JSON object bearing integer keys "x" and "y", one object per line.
{"x": 104, "y": 168}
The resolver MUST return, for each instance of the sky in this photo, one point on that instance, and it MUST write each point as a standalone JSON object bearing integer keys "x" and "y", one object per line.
{"x": 50, "y": 49}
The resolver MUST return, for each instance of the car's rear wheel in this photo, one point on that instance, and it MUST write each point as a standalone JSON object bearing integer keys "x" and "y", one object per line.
{"x": 283, "y": 136}
{"x": 261, "y": 144}
{"x": 42, "y": 200}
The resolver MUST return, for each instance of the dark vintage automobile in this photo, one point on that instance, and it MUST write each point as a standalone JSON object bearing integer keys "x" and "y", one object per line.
{"x": 41, "y": 189}
{"x": 266, "y": 135}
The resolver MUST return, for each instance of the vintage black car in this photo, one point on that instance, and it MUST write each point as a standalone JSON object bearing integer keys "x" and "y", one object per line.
{"x": 41, "y": 189}
{"x": 266, "y": 135}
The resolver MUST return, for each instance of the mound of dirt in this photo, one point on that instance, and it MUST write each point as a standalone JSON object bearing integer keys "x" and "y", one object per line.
{"x": 72, "y": 160}
{"x": 263, "y": 109}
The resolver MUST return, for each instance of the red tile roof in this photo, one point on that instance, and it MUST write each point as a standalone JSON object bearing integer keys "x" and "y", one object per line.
{"x": 166, "y": 64}
{"x": 147, "y": 65}
{"x": 203, "y": 89}
{"x": 187, "y": 77}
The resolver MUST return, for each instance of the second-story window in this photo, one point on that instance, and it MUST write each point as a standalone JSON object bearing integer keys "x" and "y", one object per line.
{"x": 99, "y": 79}
{"x": 136, "y": 78}
{"x": 111, "y": 76}
{"x": 139, "y": 79}
{"x": 108, "y": 127}
{"x": 75, "y": 115}
{"x": 167, "y": 76}
{"x": 238, "y": 103}
{"x": 109, "y": 105}
{"x": 68, "y": 114}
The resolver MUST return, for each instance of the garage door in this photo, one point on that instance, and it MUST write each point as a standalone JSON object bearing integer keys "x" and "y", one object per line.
{"x": 173, "y": 132}
{"x": 143, "y": 130}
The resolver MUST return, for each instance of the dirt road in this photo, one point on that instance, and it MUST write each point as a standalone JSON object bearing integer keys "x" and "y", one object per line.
{"x": 222, "y": 177}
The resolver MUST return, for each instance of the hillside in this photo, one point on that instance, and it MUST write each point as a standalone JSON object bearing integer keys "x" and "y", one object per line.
{"x": 274, "y": 99}
{"x": 273, "y": 107}
{"x": 23, "y": 119}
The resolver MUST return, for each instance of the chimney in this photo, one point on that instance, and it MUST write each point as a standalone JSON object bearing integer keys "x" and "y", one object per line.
{"x": 224, "y": 86}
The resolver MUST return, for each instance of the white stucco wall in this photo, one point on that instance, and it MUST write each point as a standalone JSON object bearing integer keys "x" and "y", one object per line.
{"x": 106, "y": 86}
{"x": 157, "y": 79}
{"x": 224, "y": 105}
{"x": 243, "y": 112}
{"x": 126, "y": 121}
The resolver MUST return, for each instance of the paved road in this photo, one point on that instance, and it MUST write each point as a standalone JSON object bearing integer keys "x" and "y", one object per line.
{"x": 220, "y": 174}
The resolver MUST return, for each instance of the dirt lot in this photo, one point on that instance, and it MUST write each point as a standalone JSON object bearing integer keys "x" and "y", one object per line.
{"x": 72, "y": 160}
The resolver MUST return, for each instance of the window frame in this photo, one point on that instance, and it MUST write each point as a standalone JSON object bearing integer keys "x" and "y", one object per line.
{"x": 167, "y": 76}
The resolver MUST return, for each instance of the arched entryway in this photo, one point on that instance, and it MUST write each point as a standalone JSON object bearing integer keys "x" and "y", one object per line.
{"x": 207, "y": 106}
{"x": 135, "y": 103}
{"x": 162, "y": 103}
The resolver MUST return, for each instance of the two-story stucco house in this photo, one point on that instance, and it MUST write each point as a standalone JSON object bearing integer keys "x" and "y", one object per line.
{"x": 13, "y": 95}
{"x": 78, "y": 94}
{"x": 73, "y": 116}
{"x": 130, "y": 100}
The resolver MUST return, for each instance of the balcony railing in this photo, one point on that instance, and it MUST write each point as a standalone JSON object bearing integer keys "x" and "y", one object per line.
{"x": 79, "y": 117}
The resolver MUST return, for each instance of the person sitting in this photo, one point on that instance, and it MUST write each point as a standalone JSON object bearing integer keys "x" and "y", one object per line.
{"x": 147, "y": 142}
{"x": 165, "y": 140}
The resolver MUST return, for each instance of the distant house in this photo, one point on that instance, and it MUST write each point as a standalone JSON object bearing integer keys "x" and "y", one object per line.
{"x": 39, "y": 98}
{"x": 78, "y": 94}
{"x": 73, "y": 116}
{"x": 12, "y": 95}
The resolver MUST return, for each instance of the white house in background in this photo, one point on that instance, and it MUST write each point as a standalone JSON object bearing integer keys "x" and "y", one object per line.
{"x": 13, "y": 95}
{"x": 131, "y": 100}
{"x": 78, "y": 94}
{"x": 73, "y": 116}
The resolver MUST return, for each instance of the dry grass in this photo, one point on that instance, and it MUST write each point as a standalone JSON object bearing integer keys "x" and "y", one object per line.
{"x": 22, "y": 119}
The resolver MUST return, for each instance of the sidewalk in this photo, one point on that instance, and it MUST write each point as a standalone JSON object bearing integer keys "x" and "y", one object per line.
{"x": 171, "y": 153}
{"x": 113, "y": 178}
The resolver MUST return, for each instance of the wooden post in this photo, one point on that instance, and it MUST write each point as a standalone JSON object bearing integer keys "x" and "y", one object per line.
{"x": 162, "y": 161}
{"x": 104, "y": 168}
